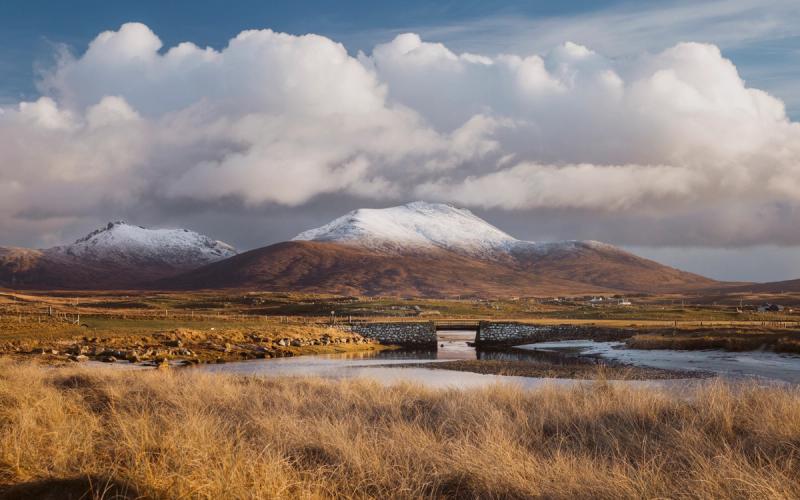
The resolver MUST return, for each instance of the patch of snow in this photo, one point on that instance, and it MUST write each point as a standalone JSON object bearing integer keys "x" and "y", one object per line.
{"x": 122, "y": 242}
{"x": 420, "y": 225}
{"x": 563, "y": 246}
{"x": 417, "y": 225}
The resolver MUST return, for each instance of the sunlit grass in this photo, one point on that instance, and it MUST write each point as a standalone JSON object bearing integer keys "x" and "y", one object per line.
{"x": 189, "y": 434}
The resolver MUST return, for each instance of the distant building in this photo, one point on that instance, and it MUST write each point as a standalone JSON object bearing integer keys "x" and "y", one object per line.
{"x": 770, "y": 308}
{"x": 625, "y": 302}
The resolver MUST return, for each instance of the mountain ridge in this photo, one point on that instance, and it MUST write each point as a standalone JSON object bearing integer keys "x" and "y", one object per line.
{"x": 436, "y": 249}
{"x": 423, "y": 249}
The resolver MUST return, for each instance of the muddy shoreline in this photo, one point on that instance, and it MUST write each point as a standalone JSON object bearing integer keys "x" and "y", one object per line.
{"x": 546, "y": 364}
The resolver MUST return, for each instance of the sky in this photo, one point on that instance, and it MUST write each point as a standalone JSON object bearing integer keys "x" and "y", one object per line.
{"x": 668, "y": 128}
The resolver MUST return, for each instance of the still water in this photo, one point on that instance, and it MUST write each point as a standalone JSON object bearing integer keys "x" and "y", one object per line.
{"x": 382, "y": 366}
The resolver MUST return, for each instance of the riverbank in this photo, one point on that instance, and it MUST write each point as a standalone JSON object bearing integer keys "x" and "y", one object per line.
{"x": 164, "y": 342}
{"x": 181, "y": 433}
{"x": 733, "y": 340}
{"x": 575, "y": 370}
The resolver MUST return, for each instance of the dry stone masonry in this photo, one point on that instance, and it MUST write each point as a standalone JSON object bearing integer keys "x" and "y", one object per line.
{"x": 406, "y": 334}
{"x": 510, "y": 333}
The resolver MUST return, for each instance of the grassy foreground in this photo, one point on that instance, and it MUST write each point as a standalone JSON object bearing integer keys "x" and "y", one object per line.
{"x": 188, "y": 434}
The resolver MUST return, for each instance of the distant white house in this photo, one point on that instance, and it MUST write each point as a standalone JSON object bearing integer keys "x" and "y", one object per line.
{"x": 625, "y": 302}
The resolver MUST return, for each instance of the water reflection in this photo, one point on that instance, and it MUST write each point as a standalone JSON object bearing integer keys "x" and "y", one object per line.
{"x": 458, "y": 345}
{"x": 754, "y": 364}
{"x": 380, "y": 366}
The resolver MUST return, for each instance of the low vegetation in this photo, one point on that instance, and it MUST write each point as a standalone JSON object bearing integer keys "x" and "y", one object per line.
{"x": 179, "y": 434}
{"x": 162, "y": 341}
{"x": 238, "y": 306}
{"x": 728, "y": 340}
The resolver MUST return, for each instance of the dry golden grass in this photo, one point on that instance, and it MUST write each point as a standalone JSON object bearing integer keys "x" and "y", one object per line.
{"x": 187, "y": 434}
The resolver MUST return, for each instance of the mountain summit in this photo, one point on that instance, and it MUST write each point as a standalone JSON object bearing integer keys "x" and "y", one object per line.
{"x": 420, "y": 226}
{"x": 413, "y": 227}
{"x": 118, "y": 255}
{"x": 119, "y": 241}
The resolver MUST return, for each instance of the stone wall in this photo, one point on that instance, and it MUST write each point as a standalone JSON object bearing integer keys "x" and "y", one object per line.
{"x": 509, "y": 333}
{"x": 407, "y": 334}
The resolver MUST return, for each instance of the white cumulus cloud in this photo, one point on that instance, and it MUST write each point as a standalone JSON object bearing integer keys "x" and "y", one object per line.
{"x": 274, "y": 119}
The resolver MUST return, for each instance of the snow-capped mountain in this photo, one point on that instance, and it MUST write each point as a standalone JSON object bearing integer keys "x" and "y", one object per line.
{"x": 122, "y": 242}
{"x": 118, "y": 255}
{"x": 420, "y": 226}
{"x": 414, "y": 226}
{"x": 424, "y": 249}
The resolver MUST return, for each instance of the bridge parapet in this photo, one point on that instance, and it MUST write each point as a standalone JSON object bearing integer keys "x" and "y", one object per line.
{"x": 401, "y": 333}
{"x": 509, "y": 333}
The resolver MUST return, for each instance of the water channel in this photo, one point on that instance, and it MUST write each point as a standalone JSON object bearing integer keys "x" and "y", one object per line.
{"x": 382, "y": 366}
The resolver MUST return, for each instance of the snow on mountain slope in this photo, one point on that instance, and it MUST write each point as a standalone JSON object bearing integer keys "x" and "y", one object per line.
{"x": 125, "y": 243}
{"x": 397, "y": 251}
{"x": 420, "y": 225}
{"x": 415, "y": 226}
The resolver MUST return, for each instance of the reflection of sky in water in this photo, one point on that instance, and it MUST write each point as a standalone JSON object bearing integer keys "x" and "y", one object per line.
{"x": 770, "y": 365}
{"x": 377, "y": 370}
{"x": 378, "y": 366}
{"x": 328, "y": 366}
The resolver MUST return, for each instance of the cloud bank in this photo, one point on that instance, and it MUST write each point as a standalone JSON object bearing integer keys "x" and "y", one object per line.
{"x": 276, "y": 120}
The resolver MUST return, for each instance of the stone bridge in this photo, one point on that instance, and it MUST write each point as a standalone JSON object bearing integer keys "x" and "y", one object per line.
{"x": 487, "y": 333}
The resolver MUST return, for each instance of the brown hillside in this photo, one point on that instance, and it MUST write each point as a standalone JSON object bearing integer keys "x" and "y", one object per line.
{"x": 38, "y": 269}
{"x": 610, "y": 267}
{"x": 345, "y": 269}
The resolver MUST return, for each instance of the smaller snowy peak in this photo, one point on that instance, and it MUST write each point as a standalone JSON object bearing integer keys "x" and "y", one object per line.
{"x": 120, "y": 241}
{"x": 417, "y": 225}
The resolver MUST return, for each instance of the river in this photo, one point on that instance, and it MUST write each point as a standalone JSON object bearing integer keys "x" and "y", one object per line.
{"x": 381, "y": 366}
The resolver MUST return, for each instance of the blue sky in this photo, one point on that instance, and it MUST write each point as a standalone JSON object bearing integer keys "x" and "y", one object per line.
{"x": 761, "y": 37}
{"x": 552, "y": 120}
